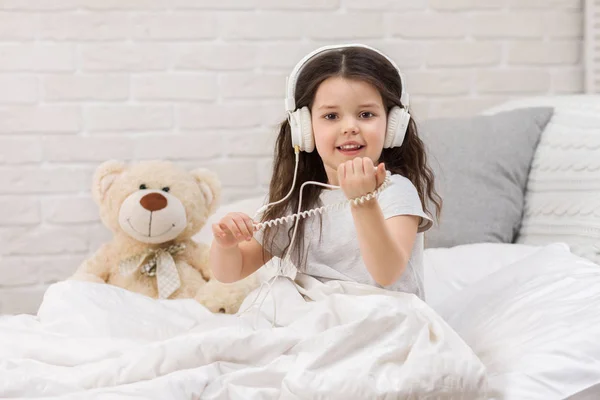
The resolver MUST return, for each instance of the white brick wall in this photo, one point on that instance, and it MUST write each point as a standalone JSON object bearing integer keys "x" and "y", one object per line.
{"x": 201, "y": 82}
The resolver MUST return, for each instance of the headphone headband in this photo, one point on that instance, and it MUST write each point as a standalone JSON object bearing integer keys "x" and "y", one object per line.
{"x": 290, "y": 100}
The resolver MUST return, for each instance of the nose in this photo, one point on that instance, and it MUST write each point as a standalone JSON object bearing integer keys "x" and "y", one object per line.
{"x": 153, "y": 201}
{"x": 350, "y": 126}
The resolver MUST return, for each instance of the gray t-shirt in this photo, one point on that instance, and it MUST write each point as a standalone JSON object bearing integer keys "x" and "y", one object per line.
{"x": 331, "y": 251}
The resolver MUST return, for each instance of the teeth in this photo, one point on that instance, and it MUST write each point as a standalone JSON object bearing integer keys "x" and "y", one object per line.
{"x": 350, "y": 147}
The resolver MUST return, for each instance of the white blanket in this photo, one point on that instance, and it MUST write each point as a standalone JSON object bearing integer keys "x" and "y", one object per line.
{"x": 336, "y": 341}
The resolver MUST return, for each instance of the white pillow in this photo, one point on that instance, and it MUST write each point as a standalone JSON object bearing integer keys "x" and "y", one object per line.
{"x": 535, "y": 325}
{"x": 562, "y": 200}
{"x": 450, "y": 270}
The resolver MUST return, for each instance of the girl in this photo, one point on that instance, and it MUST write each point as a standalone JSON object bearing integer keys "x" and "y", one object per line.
{"x": 349, "y": 102}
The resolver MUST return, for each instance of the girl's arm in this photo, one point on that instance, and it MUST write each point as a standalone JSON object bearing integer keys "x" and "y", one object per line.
{"x": 385, "y": 245}
{"x": 234, "y": 253}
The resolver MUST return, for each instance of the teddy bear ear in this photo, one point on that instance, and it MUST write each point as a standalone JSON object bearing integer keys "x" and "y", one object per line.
{"x": 105, "y": 175}
{"x": 210, "y": 186}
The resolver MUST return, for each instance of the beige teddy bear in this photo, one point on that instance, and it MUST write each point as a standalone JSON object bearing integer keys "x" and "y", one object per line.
{"x": 153, "y": 209}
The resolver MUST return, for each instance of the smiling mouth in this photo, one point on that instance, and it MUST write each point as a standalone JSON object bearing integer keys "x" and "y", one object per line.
{"x": 148, "y": 235}
{"x": 351, "y": 147}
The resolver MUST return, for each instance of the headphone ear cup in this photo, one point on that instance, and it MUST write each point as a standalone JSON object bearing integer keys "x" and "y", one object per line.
{"x": 302, "y": 133}
{"x": 397, "y": 124}
{"x": 301, "y": 129}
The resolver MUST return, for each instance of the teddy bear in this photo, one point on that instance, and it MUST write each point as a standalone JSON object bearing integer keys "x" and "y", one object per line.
{"x": 153, "y": 209}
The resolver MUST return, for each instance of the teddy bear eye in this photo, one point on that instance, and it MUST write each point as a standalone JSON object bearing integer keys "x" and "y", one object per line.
{"x": 166, "y": 189}
{"x": 143, "y": 186}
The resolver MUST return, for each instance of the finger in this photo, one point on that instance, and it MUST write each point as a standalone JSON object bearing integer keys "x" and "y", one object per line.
{"x": 349, "y": 168}
{"x": 242, "y": 226}
{"x": 368, "y": 166}
{"x": 217, "y": 231}
{"x": 341, "y": 172}
{"x": 380, "y": 174}
{"x": 231, "y": 226}
{"x": 225, "y": 233}
{"x": 357, "y": 164}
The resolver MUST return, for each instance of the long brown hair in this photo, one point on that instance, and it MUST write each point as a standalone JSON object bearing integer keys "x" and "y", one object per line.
{"x": 409, "y": 160}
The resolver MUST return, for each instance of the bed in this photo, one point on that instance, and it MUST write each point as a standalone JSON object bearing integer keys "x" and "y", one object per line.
{"x": 512, "y": 305}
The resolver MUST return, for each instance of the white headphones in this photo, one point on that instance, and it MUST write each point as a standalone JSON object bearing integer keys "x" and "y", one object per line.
{"x": 300, "y": 120}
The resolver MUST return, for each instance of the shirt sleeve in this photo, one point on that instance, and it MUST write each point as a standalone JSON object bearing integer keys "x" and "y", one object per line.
{"x": 401, "y": 198}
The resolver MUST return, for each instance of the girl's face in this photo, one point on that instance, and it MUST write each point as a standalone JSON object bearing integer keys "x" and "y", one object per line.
{"x": 349, "y": 121}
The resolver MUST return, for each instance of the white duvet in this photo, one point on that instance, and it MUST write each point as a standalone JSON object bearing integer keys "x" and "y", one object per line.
{"x": 338, "y": 341}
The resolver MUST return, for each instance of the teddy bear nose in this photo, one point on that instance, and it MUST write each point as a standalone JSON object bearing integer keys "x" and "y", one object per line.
{"x": 153, "y": 201}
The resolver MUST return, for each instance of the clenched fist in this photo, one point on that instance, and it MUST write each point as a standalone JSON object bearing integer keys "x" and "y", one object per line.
{"x": 359, "y": 177}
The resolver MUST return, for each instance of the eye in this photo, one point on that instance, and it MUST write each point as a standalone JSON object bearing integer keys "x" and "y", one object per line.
{"x": 166, "y": 189}
{"x": 330, "y": 116}
{"x": 367, "y": 114}
{"x": 143, "y": 186}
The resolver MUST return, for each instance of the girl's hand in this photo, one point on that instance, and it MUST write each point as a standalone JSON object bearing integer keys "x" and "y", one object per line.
{"x": 232, "y": 229}
{"x": 360, "y": 177}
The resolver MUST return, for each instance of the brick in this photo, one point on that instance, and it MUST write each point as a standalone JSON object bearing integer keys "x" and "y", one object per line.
{"x": 85, "y": 88}
{"x": 18, "y": 26}
{"x": 265, "y": 171}
{"x": 218, "y": 116}
{"x": 214, "y": 5}
{"x": 546, "y": 4}
{"x": 419, "y": 107}
{"x": 231, "y": 195}
{"x": 405, "y": 54}
{"x": 386, "y": 5}
{"x": 463, "y": 107}
{"x": 175, "y": 26}
{"x": 563, "y": 24}
{"x": 544, "y": 53}
{"x": 17, "y": 210}
{"x": 98, "y": 234}
{"x": 48, "y": 240}
{"x": 18, "y": 89}
{"x": 185, "y": 87}
{"x": 250, "y": 143}
{"x": 465, "y": 5}
{"x": 85, "y": 26}
{"x": 252, "y": 85}
{"x": 70, "y": 210}
{"x": 281, "y": 55}
{"x": 32, "y": 270}
{"x": 21, "y": 300}
{"x": 86, "y": 148}
{"x": 299, "y": 5}
{"x": 568, "y": 80}
{"x": 513, "y": 81}
{"x": 38, "y": 180}
{"x": 192, "y": 146}
{"x": 20, "y": 150}
{"x": 128, "y": 118}
{"x": 27, "y": 57}
{"x": 344, "y": 26}
{"x": 235, "y": 172}
{"x": 124, "y": 57}
{"x": 37, "y": 5}
{"x": 442, "y": 82}
{"x": 143, "y": 5}
{"x": 215, "y": 57}
{"x": 272, "y": 114}
{"x": 455, "y": 54}
{"x": 252, "y": 26}
{"x": 414, "y": 25}
{"x": 513, "y": 25}
{"x": 47, "y": 119}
